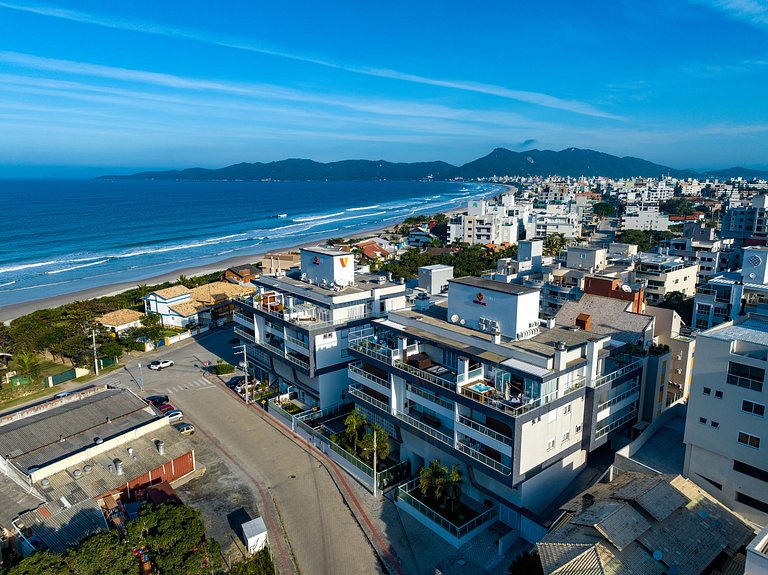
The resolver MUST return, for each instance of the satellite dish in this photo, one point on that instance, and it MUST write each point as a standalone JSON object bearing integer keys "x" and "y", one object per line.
{"x": 454, "y": 318}
{"x": 626, "y": 288}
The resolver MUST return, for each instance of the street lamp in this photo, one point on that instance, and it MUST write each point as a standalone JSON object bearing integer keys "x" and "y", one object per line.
{"x": 141, "y": 379}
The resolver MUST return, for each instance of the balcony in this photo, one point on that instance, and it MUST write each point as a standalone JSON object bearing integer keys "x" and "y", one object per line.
{"x": 472, "y": 449}
{"x": 304, "y": 315}
{"x": 297, "y": 342}
{"x": 245, "y": 334}
{"x": 614, "y": 375}
{"x": 357, "y": 370}
{"x": 243, "y": 319}
{"x": 480, "y": 428}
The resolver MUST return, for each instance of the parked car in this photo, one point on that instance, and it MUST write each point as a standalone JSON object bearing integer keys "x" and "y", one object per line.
{"x": 235, "y": 381}
{"x": 174, "y": 415}
{"x": 165, "y": 408}
{"x": 61, "y": 395}
{"x": 159, "y": 364}
{"x": 157, "y": 400}
{"x": 185, "y": 428}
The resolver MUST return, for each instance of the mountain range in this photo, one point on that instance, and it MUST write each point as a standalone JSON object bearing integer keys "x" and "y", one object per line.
{"x": 500, "y": 162}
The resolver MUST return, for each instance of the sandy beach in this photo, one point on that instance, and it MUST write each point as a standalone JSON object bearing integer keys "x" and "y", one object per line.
{"x": 12, "y": 311}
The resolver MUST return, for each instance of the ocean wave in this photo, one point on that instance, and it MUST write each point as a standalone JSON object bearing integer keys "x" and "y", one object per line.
{"x": 220, "y": 238}
{"x": 77, "y": 267}
{"x": 373, "y": 207}
{"x": 160, "y": 250}
{"x": 319, "y": 217}
{"x": 8, "y": 283}
{"x": 27, "y": 266}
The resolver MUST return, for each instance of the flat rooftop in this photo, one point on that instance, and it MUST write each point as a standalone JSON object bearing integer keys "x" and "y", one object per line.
{"x": 665, "y": 450}
{"x": 493, "y": 285}
{"x": 50, "y": 435}
{"x": 754, "y": 329}
{"x": 292, "y": 283}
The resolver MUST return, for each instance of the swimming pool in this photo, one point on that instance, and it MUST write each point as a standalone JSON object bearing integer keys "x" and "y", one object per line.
{"x": 480, "y": 387}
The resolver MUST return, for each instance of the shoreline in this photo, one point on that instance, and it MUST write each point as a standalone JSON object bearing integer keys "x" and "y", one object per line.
{"x": 16, "y": 310}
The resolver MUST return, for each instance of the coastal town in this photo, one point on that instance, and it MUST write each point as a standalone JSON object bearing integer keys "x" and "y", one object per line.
{"x": 564, "y": 377}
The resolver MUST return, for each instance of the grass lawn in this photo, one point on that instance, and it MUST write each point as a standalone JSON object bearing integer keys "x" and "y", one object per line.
{"x": 49, "y": 368}
{"x": 291, "y": 408}
{"x": 32, "y": 391}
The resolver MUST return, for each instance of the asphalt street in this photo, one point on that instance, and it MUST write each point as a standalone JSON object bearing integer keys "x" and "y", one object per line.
{"x": 296, "y": 492}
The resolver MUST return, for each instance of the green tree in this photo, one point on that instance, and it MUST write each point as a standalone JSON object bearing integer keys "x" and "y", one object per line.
{"x": 28, "y": 365}
{"x": 103, "y": 554}
{"x": 41, "y": 563}
{"x": 554, "y": 244}
{"x": 603, "y": 210}
{"x": 382, "y": 444}
{"x": 174, "y": 535}
{"x": 111, "y": 348}
{"x": 355, "y": 422}
{"x": 677, "y": 207}
{"x": 432, "y": 478}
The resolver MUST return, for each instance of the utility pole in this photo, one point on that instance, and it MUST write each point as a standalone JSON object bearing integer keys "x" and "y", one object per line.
{"x": 245, "y": 368}
{"x": 375, "y": 454}
{"x": 95, "y": 359}
{"x": 141, "y": 379}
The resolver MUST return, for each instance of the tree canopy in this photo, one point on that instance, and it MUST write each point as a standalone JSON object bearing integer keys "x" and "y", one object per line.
{"x": 644, "y": 239}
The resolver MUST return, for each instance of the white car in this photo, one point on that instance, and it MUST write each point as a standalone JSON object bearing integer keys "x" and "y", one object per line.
{"x": 175, "y": 415}
{"x": 159, "y": 364}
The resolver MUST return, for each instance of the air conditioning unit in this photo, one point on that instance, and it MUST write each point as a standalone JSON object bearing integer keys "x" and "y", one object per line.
{"x": 678, "y": 371}
{"x": 679, "y": 356}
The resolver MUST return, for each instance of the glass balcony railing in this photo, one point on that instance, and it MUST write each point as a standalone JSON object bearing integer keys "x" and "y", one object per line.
{"x": 614, "y": 375}
{"x": 479, "y": 427}
{"x": 484, "y": 459}
{"x": 357, "y": 369}
{"x": 298, "y": 342}
{"x": 244, "y": 334}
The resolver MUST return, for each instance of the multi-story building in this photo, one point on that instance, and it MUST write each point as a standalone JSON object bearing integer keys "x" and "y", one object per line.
{"x": 545, "y": 223}
{"x": 644, "y": 216}
{"x": 726, "y": 434}
{"x": 478, "y": 382}
{"x": 727, "y": 295}
{"x": 701, "y": 245}
{"x": 747, "y": 222}
{"x": 485, "y": 223}
{"x": 665, "y": 274}
{"x": 296, "y": 325}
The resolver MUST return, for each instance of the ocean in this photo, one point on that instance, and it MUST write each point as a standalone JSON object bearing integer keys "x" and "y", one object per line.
{"x": 62, "y": 236}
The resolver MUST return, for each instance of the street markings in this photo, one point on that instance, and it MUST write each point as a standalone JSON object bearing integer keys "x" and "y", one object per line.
{"x": 195, "y": 385}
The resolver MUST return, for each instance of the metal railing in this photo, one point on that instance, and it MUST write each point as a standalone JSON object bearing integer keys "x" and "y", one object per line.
{"x": 296, "y": 341}
{"x": 425, "y": 375}
{"x": 412, "y": 421}
{"x": 616, "y": 423}
{"x": 431, "y": 397}
{"x": 355, "y": 368}
{"x": 307, "y": 323}
{"x": 244, "y": 334}
{"x": 484, "y": 459}
{"x": 458, "y": 531}
{"x": 297, "y": 361}
{"x": 479, "y": 427}
{"x": 618, "y": 398}
{"x": 246, "y": 318}
{"x": 618, "y": 373}
{"x": 375, "y": 351}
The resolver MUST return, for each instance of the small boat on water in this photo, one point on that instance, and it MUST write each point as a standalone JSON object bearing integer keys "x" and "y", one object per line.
{"x": 282, "y": 215}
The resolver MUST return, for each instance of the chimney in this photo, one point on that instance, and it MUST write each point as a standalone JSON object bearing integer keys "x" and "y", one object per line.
{"x": 584, "y": 321}
{"x": 118, "y": 467}
{"x": 160, "y": 445}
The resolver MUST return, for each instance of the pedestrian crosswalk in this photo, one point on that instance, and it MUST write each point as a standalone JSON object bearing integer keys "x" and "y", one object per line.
{"x": 197, "y": 384}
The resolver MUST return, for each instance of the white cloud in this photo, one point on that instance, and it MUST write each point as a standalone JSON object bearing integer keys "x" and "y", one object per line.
{"x": 529, "y": 97}
{"x": 753, "y": 12}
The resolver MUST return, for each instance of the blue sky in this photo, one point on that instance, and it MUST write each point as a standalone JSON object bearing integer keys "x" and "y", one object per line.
{"x": 93, "y": 87}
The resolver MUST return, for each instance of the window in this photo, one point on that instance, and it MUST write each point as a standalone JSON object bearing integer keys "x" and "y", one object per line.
{"x": 551, "y": 443}
{"x": 707, "y": 391}
{"x": 745, "y": 376}
{"x": 566, "y": 436}
{"x": 703, "y": 420}
{"x": 753, "y": 408}
{"x": 749, "y": 440}
{"x": 578, "y": 428}
{"x": 567, "y": 408}
{"x": 715, "y": 483}
{"x": 750, "y": 470}
{"x": 715, "y": 424}
{"x": 718, "y": 394}
{"x": 752, "y": 502}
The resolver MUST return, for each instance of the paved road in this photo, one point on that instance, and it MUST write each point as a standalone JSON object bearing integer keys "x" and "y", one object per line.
{"x": 323, "y": 535}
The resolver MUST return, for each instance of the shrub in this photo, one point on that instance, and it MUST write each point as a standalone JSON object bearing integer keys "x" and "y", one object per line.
{"x": 222, "y": 369}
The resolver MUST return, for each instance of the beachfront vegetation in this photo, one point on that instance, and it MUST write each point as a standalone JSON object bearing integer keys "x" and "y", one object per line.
{"x": 466, "y": 261}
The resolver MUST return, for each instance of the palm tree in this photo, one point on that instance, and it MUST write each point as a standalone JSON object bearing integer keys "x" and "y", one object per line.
{"x": 355, "y": 421}
{"x": 28, "y": 365}
{"x": 382, "y": 443}
{"x": 142, "y": 290}
{"x": 554, "y": 244}
{"x": 433, "y": 477}
{"x": 453, "y": 486}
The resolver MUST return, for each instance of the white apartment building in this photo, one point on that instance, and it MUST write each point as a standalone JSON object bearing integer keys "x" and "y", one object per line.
{"x": 700, "y": 244}
{"x": 485, "y": 222}
{"x": 478, "y": 382}
{"x": 544, "y": 223}
{"x": 296, "y": 326}
{"x": 726, "y": 430}
{"x": 644, "y": 216}
{"x": 730, "y": 294}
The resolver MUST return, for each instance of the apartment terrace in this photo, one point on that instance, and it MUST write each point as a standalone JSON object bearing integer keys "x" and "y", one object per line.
{"x": 303, "y": 315}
